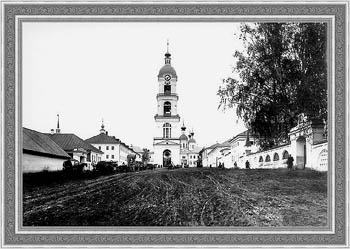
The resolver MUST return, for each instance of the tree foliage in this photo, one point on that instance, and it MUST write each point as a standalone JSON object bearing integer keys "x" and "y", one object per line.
{"x": 145, "y": 156}
{"x": 282, "y": 73}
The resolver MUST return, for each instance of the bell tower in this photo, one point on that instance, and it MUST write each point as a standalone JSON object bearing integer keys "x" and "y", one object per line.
{"x": 166, "y": 140}
{"x": 167, "y": 98}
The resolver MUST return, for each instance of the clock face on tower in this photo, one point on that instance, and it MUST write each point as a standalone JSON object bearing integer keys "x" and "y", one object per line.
{"x": 167, "y": 77}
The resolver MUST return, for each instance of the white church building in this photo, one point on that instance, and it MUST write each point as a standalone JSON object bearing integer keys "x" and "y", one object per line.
{"x": 170, "y": 144}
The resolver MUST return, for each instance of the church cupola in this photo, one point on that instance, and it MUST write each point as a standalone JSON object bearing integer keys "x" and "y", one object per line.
{"x": 102, "y": 130}
{"x": 183, "y": 136}
{"x": 191, "y": 136}
{"x": 167, "y": 70}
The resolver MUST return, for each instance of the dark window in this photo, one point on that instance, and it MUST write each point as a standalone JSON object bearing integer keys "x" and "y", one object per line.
{"x": 107, "y": 156}
{"x": 261, "y": 159}
{"x": 167, "y": 108}
{"x": 276, "y": 157}
{"x": 99, "y": 147}
{"x": 285, "y": 155}
{"x": 107, "y": 147}
{"x": 268, "y": 159}
{"x": 112, "y": 156}
{"x": 167, "y": 89}
{"x": 112, "y": 147}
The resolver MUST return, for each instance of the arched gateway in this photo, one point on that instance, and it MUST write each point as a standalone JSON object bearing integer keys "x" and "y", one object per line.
{"x": 303, "y": 138}
{"x": 166, "y": 158}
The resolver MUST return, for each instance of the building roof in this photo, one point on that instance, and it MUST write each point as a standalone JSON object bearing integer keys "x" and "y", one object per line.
{"x": 244, "y": 135}
{"x": 69, "y": 142}
{"x": 183, "y": 137}
{"x": 167, "y": 69}
{"x": 38, "y": 143}
{"x": 192, "y": 140}
{"x": 196, "y": 149}
{"x": 137, "y": 149}
{"x": 225, "y": 144}
{"x": 102, "y": 138}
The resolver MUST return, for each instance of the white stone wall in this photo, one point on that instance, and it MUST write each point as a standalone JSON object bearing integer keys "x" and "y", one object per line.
{"x": 226, "y": 160}
{"x": 254, "y": 158}
{"x": 33, "y": 163}
{"x": 239, "y": 150}
{"x": 213, "y": 158}
{"x": 317, "y": 158}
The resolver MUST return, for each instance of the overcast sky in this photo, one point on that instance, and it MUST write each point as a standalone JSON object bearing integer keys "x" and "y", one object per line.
{"x": 89, "y": 71}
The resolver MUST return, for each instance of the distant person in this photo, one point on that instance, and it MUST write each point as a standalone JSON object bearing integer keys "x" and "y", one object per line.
{"x": 210, "y": 165}
{"x": 247, "y": 165}
{"x": 220, "y": 165}
{"x": 235, "y": 165}
{"x": 290, "y": 161}
{"x": 223, "y": 165}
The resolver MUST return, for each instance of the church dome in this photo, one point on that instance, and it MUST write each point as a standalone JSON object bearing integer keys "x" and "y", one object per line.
{"x": 183, "y": 137}
{"x": 192, "y": 140}
{"x": 167, "y": 69}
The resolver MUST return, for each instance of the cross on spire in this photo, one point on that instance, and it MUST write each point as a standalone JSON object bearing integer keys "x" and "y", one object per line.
{"x": 167, "y": 45}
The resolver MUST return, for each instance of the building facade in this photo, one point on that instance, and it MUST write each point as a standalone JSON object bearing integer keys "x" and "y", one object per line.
{"x": 170, "y": 147}
{"x": 113, "y": 149}
{"x": 307, "y": 145}
{"x": 41, "y": 153}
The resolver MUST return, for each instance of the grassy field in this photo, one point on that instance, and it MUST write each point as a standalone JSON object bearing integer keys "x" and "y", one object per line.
{"x": 182, "y": 197}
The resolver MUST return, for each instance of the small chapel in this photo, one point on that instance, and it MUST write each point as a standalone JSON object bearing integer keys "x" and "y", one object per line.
{"x": 171, "y": 145}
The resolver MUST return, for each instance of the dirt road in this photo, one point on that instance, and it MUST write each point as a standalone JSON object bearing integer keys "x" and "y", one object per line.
{"x": 183, "y": 197}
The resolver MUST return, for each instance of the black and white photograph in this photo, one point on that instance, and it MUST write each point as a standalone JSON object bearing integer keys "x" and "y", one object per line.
{"x": 157, "y": 124}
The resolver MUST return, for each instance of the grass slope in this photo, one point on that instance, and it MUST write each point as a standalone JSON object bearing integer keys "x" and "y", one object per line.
{"x": 183, "y": 197}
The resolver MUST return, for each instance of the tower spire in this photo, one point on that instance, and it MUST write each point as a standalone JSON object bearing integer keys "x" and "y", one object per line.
{"x": 167, "y": 46}
{"x": 167, "y": 54}
{"x": 102, "y": 130}
{"x": 183, "y": 128}
{"x": 58, "y": 130}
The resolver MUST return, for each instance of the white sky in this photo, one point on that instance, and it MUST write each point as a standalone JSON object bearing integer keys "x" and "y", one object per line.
{"x": 89, "y": 71}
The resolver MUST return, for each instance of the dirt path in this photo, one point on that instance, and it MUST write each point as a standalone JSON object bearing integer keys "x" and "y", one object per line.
{"x": 183, "y": 197}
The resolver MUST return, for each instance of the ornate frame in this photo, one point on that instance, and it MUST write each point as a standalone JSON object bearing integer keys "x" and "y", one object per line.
{"x": 14, "y": 14}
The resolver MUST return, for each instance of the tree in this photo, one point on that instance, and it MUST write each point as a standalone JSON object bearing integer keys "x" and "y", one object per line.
{"x": 145, "y": 156}
{"x": 282, "y": 73}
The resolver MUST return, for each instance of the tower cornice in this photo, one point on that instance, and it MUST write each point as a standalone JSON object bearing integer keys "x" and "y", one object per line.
{"x": 167, "y": 96}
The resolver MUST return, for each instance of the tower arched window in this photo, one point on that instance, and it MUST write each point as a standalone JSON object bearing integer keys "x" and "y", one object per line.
{"x": 167, "y": 130}
{"x": 167, "y": 108}
{"x": 167, "y": 89}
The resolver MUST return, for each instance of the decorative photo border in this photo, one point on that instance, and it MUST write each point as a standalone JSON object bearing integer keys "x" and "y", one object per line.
{"x": 14, "y": 14}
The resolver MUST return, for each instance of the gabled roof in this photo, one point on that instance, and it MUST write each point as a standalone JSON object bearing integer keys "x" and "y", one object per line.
{"x": 38, "y": 143}
{"x": 102, "y": 138}
{"x": 69, "y": 142}
{"x": 196, "y": 150}
{"x": 244, "y": 135}
{"x": 225, "y": 144}
{"x": 137, "y": 149}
